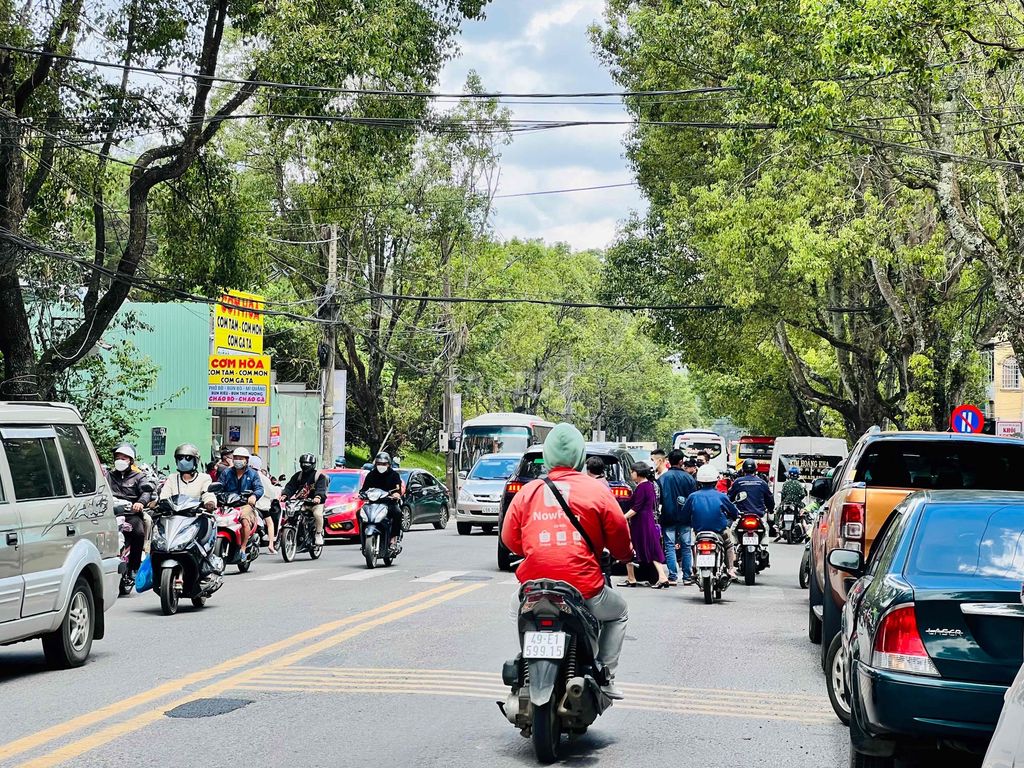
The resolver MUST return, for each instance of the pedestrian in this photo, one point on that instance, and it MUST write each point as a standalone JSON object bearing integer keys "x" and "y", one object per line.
{"x": 676, "y": 484}
{"x": 225, "y": 462}
{"x": 660, "y": 461}
{"x": 595, "y": 469}
{"x": 643, "y": 527}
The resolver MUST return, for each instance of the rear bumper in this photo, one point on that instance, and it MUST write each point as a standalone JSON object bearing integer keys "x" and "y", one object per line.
{"x": 897, "y": 704}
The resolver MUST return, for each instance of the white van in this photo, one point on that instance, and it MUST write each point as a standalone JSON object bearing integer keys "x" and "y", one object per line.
{"x": 692, "y": 441}
{"x": 59, "y": 558}
{"x": 814, "y": 455}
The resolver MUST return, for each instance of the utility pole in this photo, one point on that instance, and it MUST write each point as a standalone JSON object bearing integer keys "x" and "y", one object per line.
{"x": 449, "y": 415}
{"x": 327, "y": 359}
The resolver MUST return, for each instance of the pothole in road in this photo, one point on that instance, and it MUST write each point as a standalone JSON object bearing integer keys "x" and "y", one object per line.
{"x": 472, "y": 577}
{"x": 207, "y": 707}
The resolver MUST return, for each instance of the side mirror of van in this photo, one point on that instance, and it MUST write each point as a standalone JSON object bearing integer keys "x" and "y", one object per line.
{"x": 463, "y": 475}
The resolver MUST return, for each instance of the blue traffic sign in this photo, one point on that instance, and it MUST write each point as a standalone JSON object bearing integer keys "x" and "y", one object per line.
{"x": 967, "y": 419}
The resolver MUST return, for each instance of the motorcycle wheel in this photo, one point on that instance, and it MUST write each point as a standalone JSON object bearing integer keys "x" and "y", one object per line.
{"x": 749, "y": 568}
{"x": 199, "y": 602}
{"x": 288, "y": 543}
{"x": 709, "y": 594}
{"x": 244, "y": 567}
{"x": 805, "y": 568}
{"x": 547, "y": 735}
{"x": 168, "y": 594}
{"x": 315, "y": 550}
{"x": 125, "y": 586}
{"x": 370, "y": 552}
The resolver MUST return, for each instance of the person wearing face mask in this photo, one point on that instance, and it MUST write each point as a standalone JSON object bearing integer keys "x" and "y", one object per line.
{"x": 129, "y": 484}
{"x": 386, "y": 477}
{"x": 310, "y": 484}
{"x": 189, "y": 480}
{"x": 242, "y": 479}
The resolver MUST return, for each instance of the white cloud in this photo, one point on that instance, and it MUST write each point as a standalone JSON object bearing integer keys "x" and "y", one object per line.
{"x": 543, "y": 21}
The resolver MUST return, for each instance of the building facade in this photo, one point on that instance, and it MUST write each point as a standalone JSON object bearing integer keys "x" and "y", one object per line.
{"x": 1005, "y": 389}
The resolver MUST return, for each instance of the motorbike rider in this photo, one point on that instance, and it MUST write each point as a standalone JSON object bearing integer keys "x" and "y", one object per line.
{"x": 793, "y": 491}
{"x": 224, "y": 463}
{"x": 386, "y": 477}
{"x": 189, "y": 480}
{"x": 129, "y": 484}
{"x": 310, "y": 484}
{"x": 242, "y": 479}
{"x": 711, "y": 510}
{"x": 535, "y": 521}
{"x": 759, "y": 499}
{"x": 268, "y": 507}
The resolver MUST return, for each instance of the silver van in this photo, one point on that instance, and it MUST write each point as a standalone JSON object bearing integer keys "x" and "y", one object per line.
{"x": 59, "y": 558}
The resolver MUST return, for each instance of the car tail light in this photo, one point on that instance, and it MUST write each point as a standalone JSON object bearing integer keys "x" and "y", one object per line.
{"x": 898, "y": 644}
{"x": 621, "y": 492}
{"x": 750, "y": 523}
{"x": 705, "y": 547}
{"x": 513, "y": 487}
{"x": 852, "y": 525}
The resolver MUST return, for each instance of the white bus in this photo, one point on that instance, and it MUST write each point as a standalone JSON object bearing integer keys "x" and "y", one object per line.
{"x": 693, "y": 441}
{"x": 499, "y": 433}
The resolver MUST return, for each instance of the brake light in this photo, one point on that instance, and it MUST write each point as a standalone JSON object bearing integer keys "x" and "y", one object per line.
{"x": 705, "y": 547}
{"x": 621, "y": 492}
{"x": 513, "y": 487}
{"x": 750, "y": 522}
{"x": 852, "y": 525}
{"x": 898, "y": 644}
{"x": 546, "y": 623}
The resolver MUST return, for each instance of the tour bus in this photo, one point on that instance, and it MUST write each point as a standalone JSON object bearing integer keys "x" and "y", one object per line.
{"x": 756, "y": 447}
{"x": 692, "y": 441}
{"x": 813, "y": 455}
{"x": 498, "y": 433}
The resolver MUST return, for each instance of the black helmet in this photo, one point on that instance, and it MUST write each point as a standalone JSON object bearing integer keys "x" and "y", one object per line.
{"x": 307, "y": 461}
{"x": 186, "y": 449}
{"x": 383, "y": 458}
{"x": 749, "y": 466}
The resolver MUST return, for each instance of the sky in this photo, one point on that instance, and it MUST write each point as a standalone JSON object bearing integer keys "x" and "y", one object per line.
{"x": 542, "y": 46}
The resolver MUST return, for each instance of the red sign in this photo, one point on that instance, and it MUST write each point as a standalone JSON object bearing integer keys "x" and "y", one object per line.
{"x": 967, "y": 419}
{"x": 275, "y": 436}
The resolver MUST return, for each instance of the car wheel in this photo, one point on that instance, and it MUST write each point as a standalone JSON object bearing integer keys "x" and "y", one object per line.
{"x": 835, "y": 679}
{"x": 442, "y": 519}
{"x": 69, "y": 645}
{"x": 805, "y": 574}
{"x": 813, "y": 599}
{"x": 860, "y": 760}
{"x": 406, "y": 518}
{"x": 829, "y": 628}
{"x": 464, "y": 528}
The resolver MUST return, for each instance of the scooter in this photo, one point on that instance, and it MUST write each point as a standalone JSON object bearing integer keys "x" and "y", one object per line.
{"x": 556, "y": 679}
{"x": 792, "y": 523}
{"x": 375, "y": 529}
{"x": 183, "y": 553}
{"x": 229, "y": 533}
{"x": 298, "y": 530}
{"x": 713, "y": 574}
{"x": 751, "y": 552}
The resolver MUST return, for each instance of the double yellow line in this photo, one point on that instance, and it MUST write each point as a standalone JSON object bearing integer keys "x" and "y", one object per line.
{"x": 281, "y": 654}
{"x": 805, "y": 709}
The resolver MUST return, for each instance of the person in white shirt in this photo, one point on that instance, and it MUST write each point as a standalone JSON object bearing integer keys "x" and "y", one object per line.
{"x": 188, "y": 480}
{"x": 265, "y": 506}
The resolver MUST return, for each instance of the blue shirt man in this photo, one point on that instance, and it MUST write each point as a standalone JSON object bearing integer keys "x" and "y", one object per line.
{"x": 759, "y": 498}
{"x": 242, "y": 479}
{"x": 711, "y": 510}
{"x": 677, "y": 483}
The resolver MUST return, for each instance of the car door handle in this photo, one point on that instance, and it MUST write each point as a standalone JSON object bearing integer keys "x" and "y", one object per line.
{"x": 71, "y": 530}
{"x": 12, "y": 539}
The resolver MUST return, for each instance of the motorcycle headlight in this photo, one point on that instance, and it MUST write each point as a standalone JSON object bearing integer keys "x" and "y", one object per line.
{"x": 185, "y": 537}
{"x": 362, "y": 515}
{"x": 158, "y": 537}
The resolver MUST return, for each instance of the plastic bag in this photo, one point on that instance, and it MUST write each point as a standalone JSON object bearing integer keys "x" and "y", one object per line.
{"x": 144, "y": 578}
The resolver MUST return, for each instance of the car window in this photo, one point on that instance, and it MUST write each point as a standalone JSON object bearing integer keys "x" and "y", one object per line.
{"x": 493, "y": 469}
{"x": 985, "y": 540}
{"x": 35, "y": 467}
{"x": 78, "y": 458}
{"x": 344, "y": 482}
{"x": 942, "y": 464}
{"x": 811, "y": 465}
{"x": 532, "y": 467}
{"x": 427, "y": 479}
{"x": 888, "y": 536}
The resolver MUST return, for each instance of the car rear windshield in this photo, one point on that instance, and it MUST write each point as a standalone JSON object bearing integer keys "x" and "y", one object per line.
{"x": 533, "y": 467}
{"x": 942, "y": 464}
{"x": 985, "y": 540}
{"x": 493, "y": 469}
{"x": 811, "y": 465}
{"x": 345, "y": 482}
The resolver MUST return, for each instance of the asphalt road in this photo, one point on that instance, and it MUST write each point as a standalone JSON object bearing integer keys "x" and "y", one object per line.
{"x": 327, "y": 664}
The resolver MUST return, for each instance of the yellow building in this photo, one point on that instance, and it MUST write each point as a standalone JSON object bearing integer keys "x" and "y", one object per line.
{"x": 1005, "y": 389}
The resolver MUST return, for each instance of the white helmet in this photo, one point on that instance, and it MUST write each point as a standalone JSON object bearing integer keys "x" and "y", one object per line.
{"x": 707, "y": 474}
{"x": 255, "y": 462}
{"x": 240, "y": 453}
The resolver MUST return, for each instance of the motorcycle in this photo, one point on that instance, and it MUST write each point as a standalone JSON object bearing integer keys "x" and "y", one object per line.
{"x": 183, "y": 553}
{"x": 298, "y": 530}
{"x": 751, "y": 552}
{"x": 556, "y": 679}
{"x": 792, "y": 523}
{"x": 713, "y": 575}
{"x": 375, "y": 529}
{"x": 229, "y": 533}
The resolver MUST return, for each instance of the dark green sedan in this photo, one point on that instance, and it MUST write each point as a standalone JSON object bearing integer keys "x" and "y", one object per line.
{"x": 424, "y": 499}
{"x": 933, "y": 630}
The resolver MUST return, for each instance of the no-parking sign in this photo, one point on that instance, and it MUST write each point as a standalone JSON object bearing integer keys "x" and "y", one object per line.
{"x": 967, "y": 419}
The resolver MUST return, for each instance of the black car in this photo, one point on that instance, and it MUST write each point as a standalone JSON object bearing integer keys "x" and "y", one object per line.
{"x": 424, "y": 499}
{"x": 617, "y": 461}
{"x": 932, "y": 630}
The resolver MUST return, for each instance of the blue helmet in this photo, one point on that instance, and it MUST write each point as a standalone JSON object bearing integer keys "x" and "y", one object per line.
{"x": 794, "y": 472}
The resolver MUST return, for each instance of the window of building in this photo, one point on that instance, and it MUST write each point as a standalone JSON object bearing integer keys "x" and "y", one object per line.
{"x": 988, "y": 359}
{"x": 1011, "y": 374}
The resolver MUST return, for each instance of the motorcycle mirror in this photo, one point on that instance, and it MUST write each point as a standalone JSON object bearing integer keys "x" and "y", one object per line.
{"x": 216, "y": 487}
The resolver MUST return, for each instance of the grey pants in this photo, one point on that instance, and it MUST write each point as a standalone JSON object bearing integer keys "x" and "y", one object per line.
{"x": 609, "y": 608}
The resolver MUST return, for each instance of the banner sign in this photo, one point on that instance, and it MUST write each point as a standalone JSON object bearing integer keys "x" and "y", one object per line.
{"x": 239, "y": 380}
{"x": 1009, "y": 428}
{"x": 275, "y": 436}
{"x": 238, "y": 327}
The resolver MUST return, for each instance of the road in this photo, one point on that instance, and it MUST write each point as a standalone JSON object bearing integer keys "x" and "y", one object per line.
{"x": 326, "y": 664}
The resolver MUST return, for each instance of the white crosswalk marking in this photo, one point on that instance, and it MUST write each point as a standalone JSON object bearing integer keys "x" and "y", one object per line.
{"x": 364, "y": 575}
{"x": 440, "y": 576}
{"x": 284, "y": 574}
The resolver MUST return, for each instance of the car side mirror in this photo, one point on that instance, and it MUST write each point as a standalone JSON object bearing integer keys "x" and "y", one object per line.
{"x": 847, "y": 560}
{"x": 463, "y": 475}
{"x": 216, "y": 487}
{"x": 821, "y": 489}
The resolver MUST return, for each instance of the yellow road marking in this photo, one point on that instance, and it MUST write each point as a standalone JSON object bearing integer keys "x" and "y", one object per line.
{"x": 118, "y": 708}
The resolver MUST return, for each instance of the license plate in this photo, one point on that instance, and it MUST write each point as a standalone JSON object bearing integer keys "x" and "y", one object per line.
{"x": 705, "y": 561}
{"x": 489, "y": 509}
{"x": 788, "y": 518}
{"x": 543, "y": 645}
{"x": 750, "y": 541}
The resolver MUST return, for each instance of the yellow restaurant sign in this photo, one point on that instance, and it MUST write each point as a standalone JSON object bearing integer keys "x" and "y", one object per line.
{"x": 237, "y": 324}
{"x": 239, "y": 380}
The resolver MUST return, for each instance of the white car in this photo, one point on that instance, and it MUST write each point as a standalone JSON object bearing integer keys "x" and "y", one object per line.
{"x": 480, "y": 492}
{"x": 1006, "y": 749}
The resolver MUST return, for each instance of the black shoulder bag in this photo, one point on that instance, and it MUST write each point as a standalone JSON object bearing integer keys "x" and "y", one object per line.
{"x": 603, "y": 558}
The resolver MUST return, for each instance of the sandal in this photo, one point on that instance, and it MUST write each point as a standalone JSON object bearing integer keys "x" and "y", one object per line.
{"x": 628, "y": 583}
{"x": 661, "y": 585}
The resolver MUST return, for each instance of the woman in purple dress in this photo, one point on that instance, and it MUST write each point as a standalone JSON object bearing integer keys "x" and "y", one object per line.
{"x": 643, "y": 527}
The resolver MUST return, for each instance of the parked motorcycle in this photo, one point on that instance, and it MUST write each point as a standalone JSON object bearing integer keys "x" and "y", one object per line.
{"x": 712, "y": 571}
{"x": 183, "y": 553}
{"x": 751, "y": 552}
{"x": 556, "y": 680}
{"x": 375, "y": 529}
{"x": 229, "y": 533}
{"x": 298, "y": 530}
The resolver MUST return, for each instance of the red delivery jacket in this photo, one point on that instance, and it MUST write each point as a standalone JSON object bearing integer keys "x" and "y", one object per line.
{"x": 537, "y": 529}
